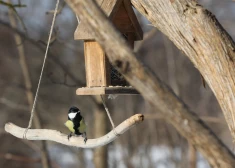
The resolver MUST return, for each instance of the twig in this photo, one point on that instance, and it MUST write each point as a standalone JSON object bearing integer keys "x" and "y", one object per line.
{"x": 58, "y": 11}
{"x": 65, "y": 83}
{"x": 53, "y": 135}
{"x": 53, "y": 38}
{"x": 10, "y": 5}
{"x": 12, "y": 104}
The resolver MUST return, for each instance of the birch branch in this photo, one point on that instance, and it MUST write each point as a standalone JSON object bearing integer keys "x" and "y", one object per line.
{"x": 56, "y": 136}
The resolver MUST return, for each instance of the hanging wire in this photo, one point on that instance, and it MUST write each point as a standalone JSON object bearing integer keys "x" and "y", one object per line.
{"x": 110, "y": 118}
{"x": 43, "y": 65}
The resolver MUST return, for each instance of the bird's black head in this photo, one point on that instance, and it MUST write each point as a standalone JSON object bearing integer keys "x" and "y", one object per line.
{"x": 74, "y": 109}
{"x": 73, "y": 112}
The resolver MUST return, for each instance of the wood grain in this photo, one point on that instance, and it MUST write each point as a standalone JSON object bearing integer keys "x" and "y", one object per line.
{"x": 122, "y": 15}
{"x": 153, "y": 90}
{"x": 97, "y": 65}
{"x": 134, "y": 20}
{"x": 109, "y": 7}
{"x": 122, "y": 20}
{"x": 197, "y": 32}
{"x": 106, "y": 90}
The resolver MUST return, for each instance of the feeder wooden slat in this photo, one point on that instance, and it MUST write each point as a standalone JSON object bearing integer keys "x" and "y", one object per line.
{"x": 122, "y": 20}
{"x": 134, "y": 20}
{"x": 106, "y": 90}
{"x": 97, "y": 65}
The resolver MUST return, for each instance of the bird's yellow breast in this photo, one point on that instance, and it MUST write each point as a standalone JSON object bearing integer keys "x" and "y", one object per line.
{"x": 69, "y": 125}
{"x": 82, "y": 127}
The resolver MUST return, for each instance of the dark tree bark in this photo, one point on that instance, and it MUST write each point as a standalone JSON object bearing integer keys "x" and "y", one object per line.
{"x": 196, "y": 32}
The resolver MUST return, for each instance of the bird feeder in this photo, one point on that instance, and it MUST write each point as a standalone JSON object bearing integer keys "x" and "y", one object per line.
{"x": 101, "y": 77}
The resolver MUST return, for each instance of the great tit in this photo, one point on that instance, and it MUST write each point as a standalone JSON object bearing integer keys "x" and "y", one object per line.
{"x": 76, "y": 123}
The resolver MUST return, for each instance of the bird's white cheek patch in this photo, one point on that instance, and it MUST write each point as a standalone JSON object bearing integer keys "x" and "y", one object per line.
{"x": 72, "y": 115}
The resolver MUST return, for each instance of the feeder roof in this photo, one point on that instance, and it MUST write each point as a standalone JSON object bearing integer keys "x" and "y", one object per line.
{"x": 122, "y": 15}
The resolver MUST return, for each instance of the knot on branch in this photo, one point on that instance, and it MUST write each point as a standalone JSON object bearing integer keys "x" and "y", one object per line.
{"x": 138, "y": 117}
{"x": 124, "y": 66}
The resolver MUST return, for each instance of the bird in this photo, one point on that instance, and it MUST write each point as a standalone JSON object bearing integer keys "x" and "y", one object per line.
{"x": 76, "y": 123}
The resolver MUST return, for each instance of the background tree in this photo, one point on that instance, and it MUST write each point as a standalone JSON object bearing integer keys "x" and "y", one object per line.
{"x": 67, "y": 65}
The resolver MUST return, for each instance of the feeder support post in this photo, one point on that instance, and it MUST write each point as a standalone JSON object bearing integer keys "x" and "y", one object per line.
{"x": 97, "y": 65}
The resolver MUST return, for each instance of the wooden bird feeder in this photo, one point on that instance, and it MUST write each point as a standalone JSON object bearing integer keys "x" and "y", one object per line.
{"x": 101, "y": 77}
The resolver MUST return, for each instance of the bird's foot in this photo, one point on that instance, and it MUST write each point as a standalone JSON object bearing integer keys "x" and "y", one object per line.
{"x": 85, "y": 139}
{"x": 70, "y": 135}
{"x": 84, "y": 136}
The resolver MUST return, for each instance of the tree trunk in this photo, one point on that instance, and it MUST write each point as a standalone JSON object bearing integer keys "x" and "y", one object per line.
{"x": 196, "y": 32}
{"x": 152, "y": 89}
